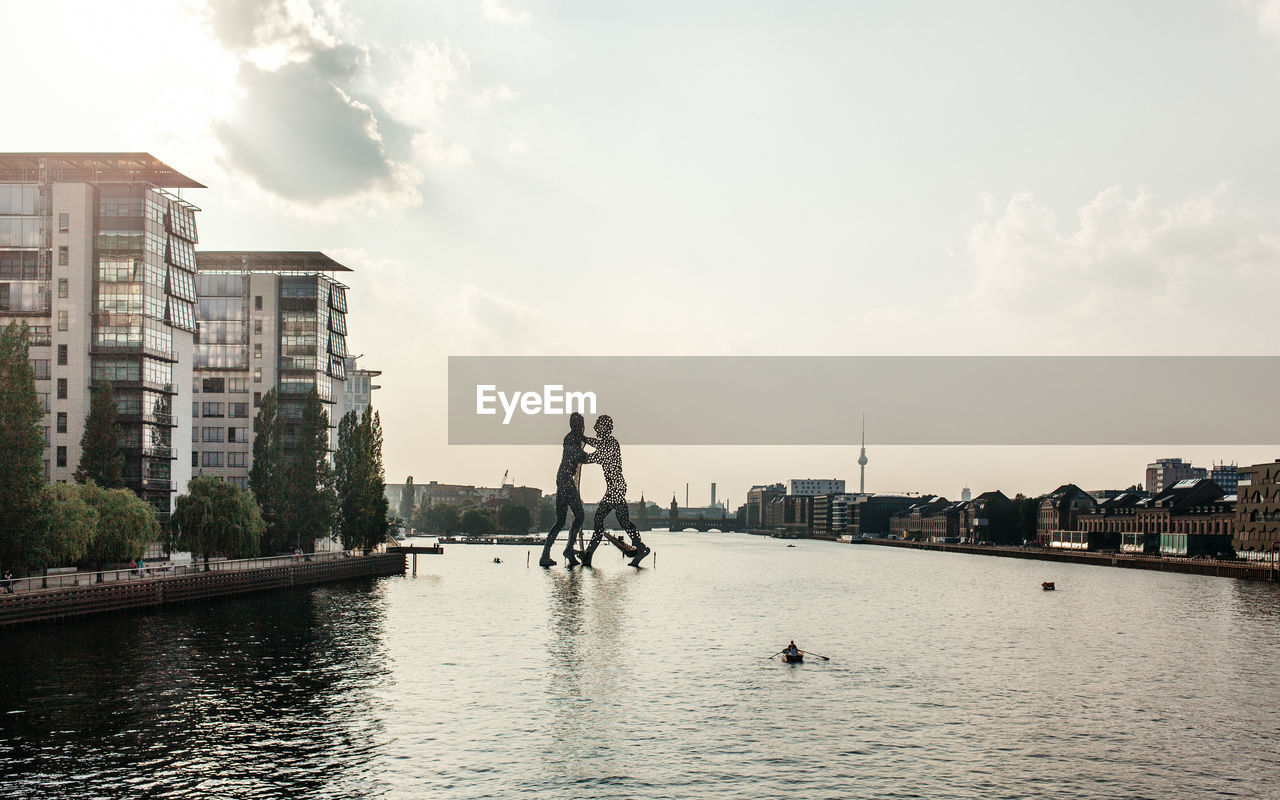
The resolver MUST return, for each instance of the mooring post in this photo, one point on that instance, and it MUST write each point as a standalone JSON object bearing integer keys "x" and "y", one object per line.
{"x": 415, "y": 564}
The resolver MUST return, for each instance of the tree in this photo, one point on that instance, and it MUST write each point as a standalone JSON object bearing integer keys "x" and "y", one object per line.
{"x": 22, "y": 460}
{"x": 101, "y": 460}
{"x": 358, "y": 476}
{"x": 476, "y": 522}
{"x": 72, "y": 526}
{"x": 309, "y": 501}
{"x": 266, "y": 476}
{"x": 437, "y": 518}
{"x": 216, "y": 518}
{"x": 126, "y": 524}
{"x": 406, "y": 501}
{"x": 514, "y": 517}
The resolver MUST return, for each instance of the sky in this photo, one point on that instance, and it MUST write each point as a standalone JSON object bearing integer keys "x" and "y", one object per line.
{"x": 516, "y": 177}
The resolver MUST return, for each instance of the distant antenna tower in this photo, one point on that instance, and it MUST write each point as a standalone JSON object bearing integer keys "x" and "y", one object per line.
{"x": 862, "y": 459}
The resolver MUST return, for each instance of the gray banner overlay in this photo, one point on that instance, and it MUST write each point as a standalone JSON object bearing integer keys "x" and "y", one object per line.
{"x": 917, "y": 400}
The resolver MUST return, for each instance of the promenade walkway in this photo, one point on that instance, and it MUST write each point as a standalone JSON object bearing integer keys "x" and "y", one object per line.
{"x": 58, "y": 596}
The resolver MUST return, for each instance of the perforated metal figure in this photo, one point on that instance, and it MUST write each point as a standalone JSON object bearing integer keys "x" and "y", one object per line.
{"x": 572, "y": 457}
{"x": 608, "y": 454}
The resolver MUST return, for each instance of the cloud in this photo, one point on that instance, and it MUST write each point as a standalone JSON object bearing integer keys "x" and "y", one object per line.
{"x": 491, "y": 94}
{"x": 322, "y": 128}
{"x": 1267, "y": 13}
{"x": 496, "y": 11}
{"x": 303, "y": 138}
{"x": 1125, "y": 254}
{"x": 433, "y": 73}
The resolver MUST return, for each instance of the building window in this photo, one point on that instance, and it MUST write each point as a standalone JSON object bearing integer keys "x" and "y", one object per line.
{"x": 62, "y": 455}
{"x": 64, "y": 255}
{"x": 62, "y": 355}
{"x": 237, "y": 459}
{"x": 257, "y": 327}
{"x": 257, "y": 376}
{"x": 195, "y": 411}
{"x": 62, "y": 422}
{"x": 214, "y": 385}
{"x": 62, "y": 388}
{"x": 211, "y": 458}
{"x": 64, "y": 287}
{"x": 239, "y": 481}
{"x": 257, "y": 350}
{"x": 195, "y": 458}
{"x": 62, "y": 320}
{"x": 213, "y": 435}
{"x": 64, "y": 223}
{"x": 238, "y": 385}
{"x": 238, "y": 410}
{"x": 238, "y": 435}
{"x": 211, "y": 410}
{"x": 195, "y": 433}
{"x": 257, "y": 302}
{"x": 257, "y": 399}
{"x": 41, "y": 368}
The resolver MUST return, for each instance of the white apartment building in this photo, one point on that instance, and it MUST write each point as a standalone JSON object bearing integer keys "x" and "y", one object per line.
{"x": 97, "y": 256}
{"x": 267, "y": 319}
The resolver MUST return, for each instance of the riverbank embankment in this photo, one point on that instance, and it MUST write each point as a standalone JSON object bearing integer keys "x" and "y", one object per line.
{"x": 1250, "y": 570}
{"x": 81, "y": 594}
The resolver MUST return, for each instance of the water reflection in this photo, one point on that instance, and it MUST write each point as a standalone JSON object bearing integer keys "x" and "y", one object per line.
{"x": 587, "y": 625}
{"x": 246, "y": 697}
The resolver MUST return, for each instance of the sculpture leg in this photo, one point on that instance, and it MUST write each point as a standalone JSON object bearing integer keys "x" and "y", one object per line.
{"x": 624, "y": 520}
{"x": 562, "y": 508}
{"x": 602, "y": 511}
{"x": 575, "y": 532}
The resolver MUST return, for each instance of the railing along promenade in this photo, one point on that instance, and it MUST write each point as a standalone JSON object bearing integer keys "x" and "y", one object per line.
{"x": 61, "y": 595}
{"x": 1240, "y": 568}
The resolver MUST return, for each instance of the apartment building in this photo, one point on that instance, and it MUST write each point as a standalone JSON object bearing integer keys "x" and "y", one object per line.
{"x": 97, "y": 256}
{"x": 267, "y": 319}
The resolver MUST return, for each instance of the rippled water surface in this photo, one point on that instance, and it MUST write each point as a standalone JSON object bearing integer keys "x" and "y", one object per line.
{"x": 950, "y": 676}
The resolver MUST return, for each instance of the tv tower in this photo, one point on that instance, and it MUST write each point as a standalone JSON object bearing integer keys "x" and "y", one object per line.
{"x": 862, "y": 459}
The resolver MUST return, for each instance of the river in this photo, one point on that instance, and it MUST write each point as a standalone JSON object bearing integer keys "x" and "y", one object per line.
{"x": 951, "y": 676}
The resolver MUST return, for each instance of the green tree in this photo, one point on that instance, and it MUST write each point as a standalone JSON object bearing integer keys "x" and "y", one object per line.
{"x": 22, "y": 500}
{"x": 476, "y": 522}
{"x": 266, "y": 476}
{"x": 310, "y": 501}
{"x": 437, "y": 518}
{"x": 515, "y": 518}
{"x": 101, "y": 460}
{"x": 126, "y": 524}
{"x": 406, "y": 501}
{"x": 72, "y": 526}
{"x": 216, "y": 518}
{"x": 359, "y": 479}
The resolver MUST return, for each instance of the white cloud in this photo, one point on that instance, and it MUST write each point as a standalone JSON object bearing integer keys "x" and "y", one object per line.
{"x": 496, "y": 11}
{"x": 1267, "y": 13}
{"x": 1126, "y": 254}
{"x": 516, "y": 143}
{"x": 432, "y": 150}
{"x": 493, "y": 94}
{"x": 432, "y": 74}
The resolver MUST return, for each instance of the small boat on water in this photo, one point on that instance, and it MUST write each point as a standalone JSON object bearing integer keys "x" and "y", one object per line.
{"x": 793, "y": 658}
{"x": 1047, "y": 586}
